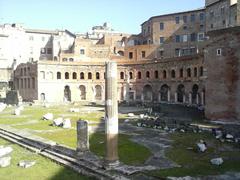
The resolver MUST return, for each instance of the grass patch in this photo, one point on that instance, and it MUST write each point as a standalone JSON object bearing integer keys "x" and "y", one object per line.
{"x": 198, "y": 164}
{"x": 129, "y": 152}
{"x": 42, "y": 170}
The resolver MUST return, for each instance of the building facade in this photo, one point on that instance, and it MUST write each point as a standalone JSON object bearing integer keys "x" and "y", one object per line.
{"x": 175, "y": 59}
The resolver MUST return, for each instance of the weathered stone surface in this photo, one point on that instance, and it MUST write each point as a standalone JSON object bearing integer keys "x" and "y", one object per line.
{"x": 202, "y": 147}
{"x": 5, "y": 161}
{"x": 5, "y": 151}
{"x": 67, "y": 123}
{"x": 58, "y": 121}
{"x": 48, "y": 116}
{"x": 26, "y": 164}
{"x": 2, "y": 106}
{"x": 82, "y": 136}
{"x": 217, "y": 161}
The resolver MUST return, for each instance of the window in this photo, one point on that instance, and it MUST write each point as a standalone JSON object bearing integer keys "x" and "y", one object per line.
{"x": 149, "y": 29}
{"x": 97, "y": 75}
{"x": 156, "y": 74}
{"x": 121, "y": 75}
{"x": 195, "y": 72}
{"x": 201, "y": 71}
{"x": 143, "y": 54}
{"x": 161, "y": 40}
{"x": 224, "y": 22}
{"x": 173, "y": 74}
{"x": 43, "y": 50}
{"x": 71, "y": 59}
{"x": 193, "y": 37}
{"x": 89, "y": 75}
{"x": 181, "y": 73}
{"x": 188, "y": 72}
{"x": 82, "y": 51}
{"x": 33, "y": 83}
{"x": 64, "y": 59}
{"x": 42, "y": 74}
{"x": 211, "y": 14}
{"x": 211, "y": 26}
{"x": 164, "y": 74}
{"x": 139, "y": 75}
{"x": 201, "y": 16}
{"x": 161, "y": 53}
{"x": 201, "y": 37}
{"x": 161, "y": 26}
{"x": 49, "y": 50}
{"x": 74, "y": 75}
{"x": 177, "y": 38}
{"x": 58, "y": 75}
{"x": 192, "y": 50}
{"x": 31, "y": 38}
{"x": 66, "y": 75}
{"x": 177, "y": 19}
{"x": 177, "y": 52}
{"x": 81, "y": 75}
{"x": 130, "y": 75}
{"x": 28, "y": 82}
{"x": 184, "y": 27}
{"x": 185, "y": 38}
{"x": 147, "y": 74}
{"x": 192, "y": 17}
{"x": 222, "y": 10}
{"x": 130, "y": 55}
{"x": 201, "y": 27}
{"x": 219, "y": 52}
{"x": 185, "y": 19}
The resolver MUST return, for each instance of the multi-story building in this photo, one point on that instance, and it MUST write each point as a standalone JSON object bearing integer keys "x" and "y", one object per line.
{"x": 172, "y": 60}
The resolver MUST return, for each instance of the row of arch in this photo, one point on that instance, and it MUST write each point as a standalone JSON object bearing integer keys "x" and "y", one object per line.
{"x": 196, "y": 72}
{"x": 194, "y": 97}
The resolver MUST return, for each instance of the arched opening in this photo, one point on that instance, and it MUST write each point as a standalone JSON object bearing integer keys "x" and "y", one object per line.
{"x": 120, "y": 53}
{"x": 173, "y": 74}
{"x": 164, "y": 93}
{"x": 180, "y": 93}
{"x": 156, "y": 74}
{"x": 181, "y": 73}
{"x": 147, "y": 93}
{"x": 89, "y": 75}
{"x": 189, "y": 72}
{"x": 55, "y": 58}
{"x": 81, "y": 75}
{"x": 195, "y": 72}
{"x": 71, "y": 59}
{"x": 98, "y": 92}
{"x": 82, "y": 92}
{"x": 201, "y": 71}
{"x": 195, "y": 97}
{"x": 66, "y": 75}
{"x": 139, "y": 75}
{"x": 147, "y": 74}
{"x": 164, "y": 74}
{"x": 42, "y": 96}
{"x": 130, "y": 75}
{"x": 58, "y": 75}
{"x": 121, "y": 75}
{"x": 74, "y": 75}
{"x": 97, "y": 75}
{"x": 67, "y": 93}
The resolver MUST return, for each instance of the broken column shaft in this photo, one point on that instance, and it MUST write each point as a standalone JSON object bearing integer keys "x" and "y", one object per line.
{"x": 111, "y": 115}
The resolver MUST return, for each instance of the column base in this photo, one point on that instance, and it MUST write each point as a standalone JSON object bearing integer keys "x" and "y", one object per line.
{"x": 110, "y": 165}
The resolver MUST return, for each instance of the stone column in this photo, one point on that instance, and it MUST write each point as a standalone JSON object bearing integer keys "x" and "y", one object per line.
{"x": 175, "y": 97}
{"x": 202, "y": 98}
{"x": 169, "y": 96}
{"x": 111, "y": 115}
{"x": 190, "y": 98}
{"x": 82, "y": 137}
{"x": 197, "y": 99}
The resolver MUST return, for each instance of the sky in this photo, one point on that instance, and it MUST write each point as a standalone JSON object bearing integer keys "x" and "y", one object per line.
{"x": 80, "y": 15}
